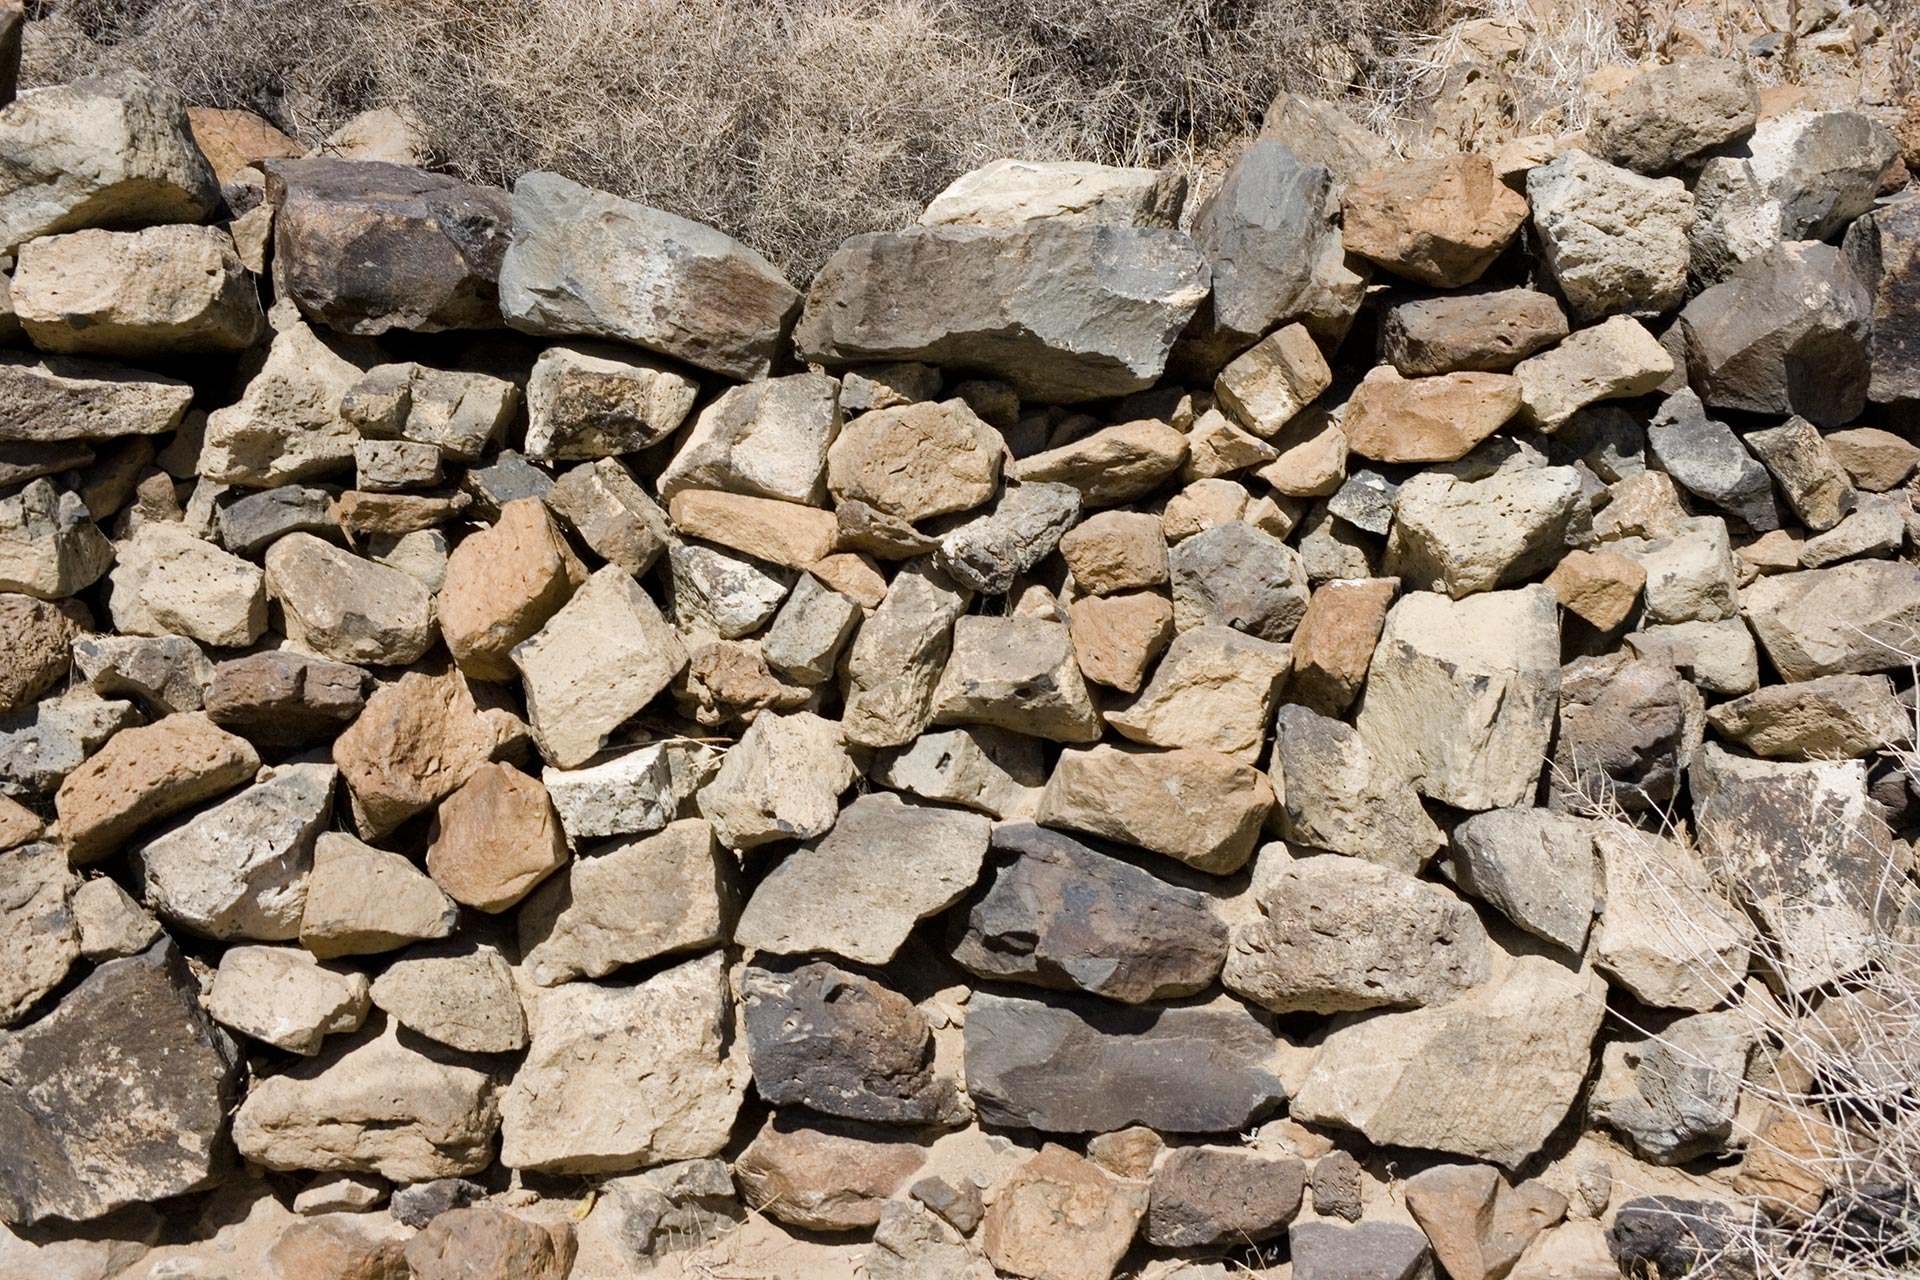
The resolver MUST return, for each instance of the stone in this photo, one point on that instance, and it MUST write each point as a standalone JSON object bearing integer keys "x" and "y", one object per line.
{"x": 722, "y": 592}
{"x": 420, "y": 1203}
{"x": 1478, "y": 1224}
{"x": 821, "y": 1037}
{"x": 373, "y": 1104}
{"x": 461, "y": 414}
{"x": 602, "y": 503}
{"x": 1394, "y": 419}
{"x": 1337, "y": 934}
{"x": 781, "y": 781}
{"x": 988, "y": 770}
{"x": 1116, "y": 551}
{"x": 1319, "y": 132}
{"x": 623, "y": 1075}
{"x": 1198, "y": 806}
{"x": 1337, "y": 794}
{"x": 18, "y": 824}
{"x": 484, "y": 1243}
{"x": 249, "y": 521}
{"x": 111, "y": 923}
{"x": 1664, "y": 934}
{"x": 391, "y": 134}
{"x": 1628, "y": 724}
{"x": 458, "y": 994}
{"x": 1214, "y": 688}
{"x": 888, "y": 385}
{"x": 1116, "y": 638}
{"x": 164, "y": 673}
{"x": 1099, "y": 320}
{"x": 1059, "y": 1216}
{"x": 1600, "y": 588}
{"x": 55, "y": 400}
{"x": 595, "y": 663}
{"x": 1785, "y": 333}
{"x": 633, "y": 793}
{"x": 1206, "y": 1196}
{"x": 1718, "y": 657}
{"x": 865, "y": 528}
{"x": 1008, "y": 193}
{"x": 586, "y": 263}
{"x": 767, "y": 439}
{"x": 507, "y": 477}
{"x": 289, "y": 423}
{"x": 911, "y": 1243}
{"x": 1877, "y": 529}
{"x": 503, "y": 584}
{"x": 351, "y": 1246}
{"x": 393, "y": 466}
{"x": 118, "y": 1096}
{"x": 1482, "y": 331}
{"x": 494, "y": 838}
{"x": 1670, "y": 1235}
{"x": 1334, "y": 642}
{"x": 1828, "y": 718}
{"x": 285, "y": 997}
{"x": 1821, "y": 168}
{"x": 858, "y": 891}
{"x": 1272, "y": 382}
{"x": 1808, "y": 474}
{"x": 1690, "y": 574}
{"x": 38, "y": 636}
{"x": 49, "y": 547}
{"x": 781, "y": 533}
{"x": 917, "y": 461}
{"x": 806, "y": 637}
{"x": 1053, "y": 912}
{"x": 1673, "y": 1095}
{"x": 1534, "y": 866}
{"x": 1234, "y": 575}
{"x": 672, "y": 891}
{"x": 145, "y": 774}
{"x": 392, "y": 515}
{"x": 1337, "y": 1186}
{"x": 39, "y": 934}
{"x": 40, "y": 746}
{"x": 595, "y": 400}
{"x": 152, "y": 294}
{"x": 1704, "y": 457}
{"x": 1614, "y": 359}
{"x": 1851, "y": 619}
{"x": 1440, "y": 222}
{"x": 1806, "y": 851}
{"x": 1614, "y": 242}
{"x": 1112, "y": 465}
{"x": 99, "y": 152}
{"x": 362, "y": 901}
{"x": 1489, "y": 1075}
{"x": 898, "y": 656}
{"x": 1205, "y": 1068}
{"x": 1884, "y": 250}
{"x": 418, "y": 739}
{"x": 234, "y": 140}
{"x": 167, "y": 581}
{"x": 990, "y": 551}
{"x": 1668, "y": 115}
{"x": 675, "y": 1207}
{"x": 345, "y": 608}
{"x": 1462, "y": 537}
{"x": 823, "y": 1178}
{"x": 239, "y": 869}
{"x": 1485, "y": 671}
{"x": 1016, "y": 673}
{"x": 1312, "y": 459}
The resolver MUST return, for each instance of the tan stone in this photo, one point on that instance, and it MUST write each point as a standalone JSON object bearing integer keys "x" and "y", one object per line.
{"x": 1478, "y": 1225}
{"x": 1016, "y": 673}
{"x": 853, "y": 575}
{"x": 1214, "y": 688}
{"x": 233, "y": 141}
{"x": 764, "y": 528}
{"x": 18, "y": 824}
{"x": 340, "y": 1246}
{"x": 502, "y": 585}
{"x": 1111, "y": 466}
{"x": 417, "y": 740}
{"x": 287, "y": 425}
{"x": 1611, "y": 360}
{"x": 1775, "y": 551}
{"x": 168, "y": 582}
{"x": 1202, "y": 505}
{"x": 1116, "y": 551}
{"x": 158, "y": 292}
{"x": 362, "y": 900}
{"x": 1788, "y": 1155}
{"x": 1647, "y": 505}
{"x": 917, "y": 461}
{"x": 1269, "y": 384}
{"x": 145, "y": 774}
{"x": 1441, "y": 222}
{"x": 1312, "y": 458}
{"x": 368, "y": 514}
{"x": 824, "y": 1179}
{"x": 781, "y": 781}
{"x": 1116, "y": 638}
{"x": 1665, "y": 935}
{"x": 1198, "y": 806}
{"x": 1440, "y": 419}
{"x": 37, "y": 637}
{"x": 1877, "y": 460}
{"x": 1333, "y": 644}
{"x": 1215, "y": 447}
{"x": 1598, "y": 586}
{"x": 495, "y": 838}
{"x": 897, "y": 657}
{"x": 337, "y": 605}
{"x": 481, "y": 1242}
{"x": 1059, "y": 1216}
{"x": 613, "y": 515}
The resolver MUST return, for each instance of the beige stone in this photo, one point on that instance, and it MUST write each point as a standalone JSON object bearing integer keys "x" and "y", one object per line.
{"x": 1876, "y": 460}
{"x": 286, "y": 997}
{"x": 1333, "y": 645}
{"x": 1598, "y": 587}
{"x": 1116, "y": 551}
{"x": 1059, "y": 1216}
{"x": 898, "y": 657}
{"x": 61, "y": 398}
{"x": 1008, "y": 193}
{"x": 824, "y": 1179}
{"x": 362, "y": 901}
{"x": 1312, "y": 458}
{"x": 287, "y": 424}
{"x": 1614, "y": 359}
{"x": 917, "y": 461}
{"x": 168, "y": 582}
{"x": 1213, "y": 688}
{"x": 1016, "y": 673}
{"x": 1665, "y": 934}
{"x": 764, "y": 528}
{"x": 1478, "y": 1223}
{"x": 233, "y": 141}
{"x": 1647, "y": 505}
{"x": 1111, "y": 466}
{"x": 156, "y": 293}
{"x": 38, "y": 637}
{"x": 1439, "y": 419}
{"x": 1116, "y": 638}
{"x": 459, "y": 994}
{"x": 1198, "y": 806}
{"x": 781, "y": 781}
{"x": 1202, "y": 505}
{"x": 594, "y": 400}
{"x": 853, "y": 575}
{"x": 18, "y": 824}
{"x": 1439, "y": 221}
{"x": 40, "y": 936}
{"x": 1271, "y": 383}
{"x": 49, "y": 545}
{"x": 337, "y": 605}
{"x": 1216, "y": 447}
{"x": 417, "y": 739}
{"x": 495, "y": 838}
{"x": 503, "y": 583}
{"x": 145, "y": 774}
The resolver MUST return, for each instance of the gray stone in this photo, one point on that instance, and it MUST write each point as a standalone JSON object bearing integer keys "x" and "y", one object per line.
{"x": 57, "y": 399}
{"x": 1829, "y": 718}
{"x": 805, "y": 639}
{"x": 419, "y": 1204}
{"x": 910, "y": 1243}
{"x": 989, "y": 770}
{"x": 1016, "y": 673}
{"x": 898, "y": 657}
{"x": 1365, "y": 500}
{"x": 165, "y": 673}
{"x": 1535, "y": 866}
{"x": 508, "y": 478}
{"x": 1484, "y": 330}
{"x": 591, "y": 400}
{"x": 674, "y": 1207}
{"x": 1877, "y": 528}
{"x": 1337, "y": 1186}
{"x": 1690, "y": 574}
{"x": 1238, "y": 576}
{"x": 49, "y": 547}
{"x": 459, "y": 994}
{"x": 1335, "y": 793}
{"x": 1222, "y": 1196}
{"x": 1061, "y": 313}
{"x": 633, "y": 793}
{"x": 1627, "y": 729}
{"x": 1850, "y": 619}
{"x": 1668, "y": 115}
{"x": 1705, "y": 458}
{"x": 604, "y": 505}
{"x": 461, "y": 414}
{"x": 1615, "y": 242}
{"x": 39, "y": 933}
{"x": 1672, "y": 1094}
{"x": 1052, "y": 912}
{"x": 1465, "y": 536}
{"x": 1884, "y": 251}
{"x": 1718, "y": 657}
{"x": 988, "y": 552}
{"x": 767, "y": 439}
{"x": 1807, "y": 471}
{"x": 395, "y": 466}
{"x": 285, "y": 997}
{"x": 821, "y": 1037}
{"x": 586, "y": 263}
{"x": 249, "y": 521}
{"x": 40, "y": 746}
{"x": 118, "y": 1096}
{"x": 1208, "y": 1068}
{"x": 723, "y": 592}
{"x": 1822, "y": 169}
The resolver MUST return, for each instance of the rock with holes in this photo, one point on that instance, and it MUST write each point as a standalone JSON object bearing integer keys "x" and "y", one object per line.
{"x": 1615, "y": 242}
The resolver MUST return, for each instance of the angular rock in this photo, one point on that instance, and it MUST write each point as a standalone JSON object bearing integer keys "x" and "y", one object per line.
{"x": 1704, "y": 457}
{"x": 342, "y": 607}
{"x": 725, "y": 593}
{"x": 1214, "y": 688}
{"x": 362, "y": 901}
{"x": 284, "y": 996}
{"x": 89, "y": 1143}
{"x": 1237, "y": 576}
{"x": 1337, "y": 794}
{"x": 1690, "y": 574}
{"x": 821, "y": 1037}
{"x": 804, "y": 641}
{"x": 1808, "y": 474}
{"x": 1438, "y": 419}
{"x": 143, "y": 775}
{"x": 586, "y": 263}
{"x": 1534, "y": 866}
{"x": 1016, "y": 673}
{"x": 623, "y": 1075}
{"x": 49, "y": 547}
{"x": 1615, "y": 242}
{"x": 672, "y": 1208}
{"x": 254, "y": 519}
{"x": 1369, "y": 1251}
{"x": 1673, "y": 1095}
{"x": 1198, "y": 806}
{"x": 630, "y": 794}
{"x": 1206, "y": 1068}
{"x": 1667, "y": 115}
{"x": 1334, "y": 642}
{"x": 1615, "y": 358}
{"x": 987, "y": 553}
{"x": 1876, "y": 529}
{"x": 823, "y": 1179}
{"x": 1205, "y": 1196}
{"x": 482, "y": 1241}
{"x": 664, "y": 893}
{"x": 502, "y": 585}
{"x": 1485, "y": 331}
{"x": 1600, "y": 588}
{"x": 1718, "y": 657}
{"x": 1113, "y": 465}
{"x": 898, "y": 656}
{"x": 157, "y": 293}
{"x": 781, "y": 781}
{"x": 766, "y": 439}
{"x": 289, "y": 423}
{"x": 781, "y": 533}
{"x": 594, "y": 400}
{"x": 41, "y": 746}
{"x": 165, "y": 673}
{"x": 1273, "y": 381}
{"x": 1478, "y": 1224}
{"x": 461, "y": 414}
{"x": 1462, "y": 537}
{"x": 1116, "y": 638}
{"x": 595, "y": 663}
{"x": 1098, "y": 319}
{"x": 38, "y": 637}
{"x": 601, "y": 502}
{"x": 418, "y": 739}
{"x": 988, "y": 770}
{"x": 911, "y": 1243}
{"x": 1850, "y": 619}
{"x": 170, "y": 582}
{"x": 916, "y": 461}
{"x": 1665, "y": 934}
{"x": 39, "y": 934}
{"x": 1059, "y": 1216}
{"x": 1821, "y": 168}
{"x": 1007, "y": 193}
{"x": 1441, "y": 222}
{"x": 459, "y": 994}
{"x": 1829, "y": 718}
{"x": 348, "y": 1244}
{"x": 58, "y": 399}
{"x": 494, "y": 838}
{"x": 1884, "y": 251}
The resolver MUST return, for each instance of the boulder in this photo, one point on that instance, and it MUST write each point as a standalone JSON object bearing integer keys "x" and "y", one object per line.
{"x": 1615, "y": 358}
{"x": 822, "y": 1178}
{"x": 1536, "y": 867}
{"x": 1479, "y": 331}
{"x": 458, "y": 994}
{"x": 675, "y": 1207}
{"x": 1113, "y": 465}
{"x": 1614, "y": 242}
{"x": 347, "y": 1244}
{"x": 1211, "y": 1196}
{"x": 1059, "y": 1216}
{"x": 1822, "y": 169}
{"x": 767, "y": 439}
{"x": 1440, "y": 222}
{"x": 780, "y": 533}
{"x": 1666, "y": 115}
{"x": 40, "y": 934}
{"x": 503, "y": 584}
{"x": 1850, "y": 619}
{"x": 167, "y": 582}
{"x": 494, "y": 838}
{"x": 1009, "y": 193}
{"x": 164, "y": 673}
{"x": 1690, "y": 573}
{"x": 285, "y": 997}
{"x": 418, "y": 739}
{"x": 1335, "y": 793}
{"x": 1373, "y": 1250}
{"x": 49, "y": 546}
{"x": 912, "y": 1243}
{"x": 1829, "y": 718}
{"x": 1198, "y": 806}
{"x": 1463, "y": 536}
{"x": 362, "y": 901}
{"x": 1665, "y": 934}
{"x": 586, "y": 263}
{"x": 805, "y": 639}
{"x": 155, "y": 294}
{"x": 1214, "y": 688}
{"x": 143, "y": 775}
{"x": 346, "y": 608}
{"x": 1060, "y": 312}
{"x": 919, "y": 460}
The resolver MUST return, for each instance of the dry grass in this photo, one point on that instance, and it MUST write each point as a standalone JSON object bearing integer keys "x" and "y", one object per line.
{"x": 790, "y": 123}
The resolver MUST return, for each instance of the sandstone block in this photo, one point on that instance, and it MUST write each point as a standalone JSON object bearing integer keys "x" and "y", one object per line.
{"x": 146, "y": 774}
{"x": 1273, "y": 381}
{"x": 157, "y": 293}
{"x": 1613, "y": 359}
{"x": 1484, "y": 331}
{"x": 1214, "y": 688}
{"x": 418, "y": 739}
{"x": 284, "y": 996}
{"x": 1198, "y": 806}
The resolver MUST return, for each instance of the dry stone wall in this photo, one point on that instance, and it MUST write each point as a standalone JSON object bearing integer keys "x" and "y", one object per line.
{"x": 1070, "y": 747}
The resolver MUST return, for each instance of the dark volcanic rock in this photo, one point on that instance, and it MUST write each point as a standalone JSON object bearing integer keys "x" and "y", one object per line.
{"x": 119, "y": 1095}
{"x": 420, "y": 1203}
{"x": 1059, "y": 915}
{"x": 819, "y": 1036}
{"x": 1222, "y": 1195}
{"x": 1370, "y": 1251}
{"x": 1627, "y": 728}
{"x": 282, "y": 699}
{"x": 366, "y": 246}
{"x": 1672, "y": 1236}
{"x": 1706, "y": 459}
{"x": 1200, "y": 1069}
{"x": 1884, "y": 248}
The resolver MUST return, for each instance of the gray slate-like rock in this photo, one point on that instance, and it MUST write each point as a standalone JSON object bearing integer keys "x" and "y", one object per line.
{"x": 1061, "y": 313}
{"x": 1058, "y": 914}
{"x": 1534, "y": 865}
{"x": 1238, "y": 576}
{"x": 1673, "y": 1094}
{"x": 989, "y": 551}
{"x": 1208, "y": 1068}
{"x": 1706, "y": 458}
{"x": 117, "y": 1097}
{"x": 1222, "y": 1195}
{"x": 1370, "y": 1251}
{"x": 1884, "y": 250}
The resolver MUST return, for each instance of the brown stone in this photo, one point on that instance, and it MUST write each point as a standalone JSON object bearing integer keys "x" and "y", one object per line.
{"x": 1333, "y": 644}
{"x": 1877, "y": 460}
{"x": 145, "y": 774}
{"x": 1198, "y": 806}
{"x": 18, "y": 824}
{"x": 826, "y": 1178}
{"x": 1126, "y": 1153}
{"x": 1439, "y": 419}
{"x": 1222, "y": 1196}
{"x": 1598, "y": 586}
{"x": 1060, "y": 1216}
{"x": 1478, "y": 1225}
{"x": 1312, "y": 458}
{"x": 1116, "y": 551}
{"x": 283, "y": 699}
{"x": 1484, "y": 331}
{"x": 1116, "y": 638}
{"x": 919, "y": 460}
{"x": 764, "y": 528}
{"x": 484, "y": 1243}
{"x": 495, "y": 838}
{"x": 236, "y": 140}
{"x": 417, "y": 740}
{"x": 853, "y": 575}
{"x": 340, "y": 1246}
{"x": 394, "y": 514}
{"x": 1788, "y": 1154}
{"x": 1441, "y": 222}
{"x": 362, "y": 900}
{"x": 1214, "y": 688}
{"x": 1111, "y": 466}
{"x": 37, "y": 638}
{"x": 502, "y": 585}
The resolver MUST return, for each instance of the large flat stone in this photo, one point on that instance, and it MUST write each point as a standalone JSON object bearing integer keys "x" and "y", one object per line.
{"x": 57, "y": 398}
{"x": 1851, "y": 619}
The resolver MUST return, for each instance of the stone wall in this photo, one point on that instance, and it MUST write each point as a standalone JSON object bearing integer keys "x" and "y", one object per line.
{"x": 1348, "y": 737}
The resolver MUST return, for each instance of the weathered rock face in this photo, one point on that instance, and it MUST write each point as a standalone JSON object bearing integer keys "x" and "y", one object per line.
{"x": 584, "y": 263}
{"x": 1479, "y": 1225}
{"x": 1673, "y": 1095}
{"x": 161, "y": 292}
{"x": 289, "y": 423}
{"x": 1663, "y": 935}
{"x": 1198, "y": 806}
{"x": 1061, "y": 313}
{"x": 1060, "y": 1215}
{"x": 145, "y": 774}
{"x": 417, "y": 740}
{"x": 118, "y": 1096}
{"x": 821, "y": 1178}
{"x": 39, "y": 935}
{"x": 484, "y": 1241}
{"x": 1850, "y": 619}
{"x": 1883, "y": 249}
{"x": 1614, "y": 241}
{"x": 1535, "y": 866}
{"x": 462, "y": 996}
{"x": 1007, "y": 193}
{"x": 1222, "y": 1195}
{"x": 1483, "y": 331}
{"x": 1441, "y": 222}
{"x": 282, "y": 995}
